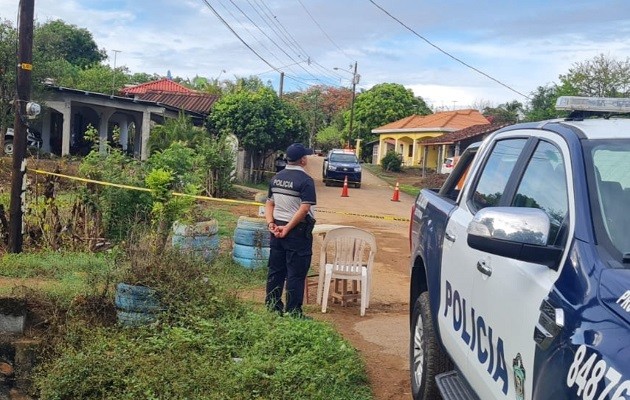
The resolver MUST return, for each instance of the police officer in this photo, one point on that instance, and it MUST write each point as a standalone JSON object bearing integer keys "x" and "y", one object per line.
{"x": 290, "y": 220}
{"x": 280, "y": 162}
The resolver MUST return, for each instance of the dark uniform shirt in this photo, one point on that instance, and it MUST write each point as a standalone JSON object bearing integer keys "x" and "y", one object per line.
{"x": 289, "y": 189}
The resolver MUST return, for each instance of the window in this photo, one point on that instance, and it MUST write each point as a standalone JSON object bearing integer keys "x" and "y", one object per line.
{"x": 496, "y": 172}
{"x": 544, "y": 186}
{"x": 344, "y": 158}
{"x": 611, "y": 169}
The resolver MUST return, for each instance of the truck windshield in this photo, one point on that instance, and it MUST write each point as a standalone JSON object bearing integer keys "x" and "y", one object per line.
{"x": 344, "y": 158}
{"x": 610, "y": 160}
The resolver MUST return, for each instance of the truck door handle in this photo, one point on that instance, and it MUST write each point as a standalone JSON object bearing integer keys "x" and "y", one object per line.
{"x": 484, "y": 268}
{"x": 450, "y": 237}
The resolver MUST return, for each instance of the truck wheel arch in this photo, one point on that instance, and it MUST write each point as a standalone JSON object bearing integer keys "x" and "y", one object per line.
{"x": 418, "y": 282}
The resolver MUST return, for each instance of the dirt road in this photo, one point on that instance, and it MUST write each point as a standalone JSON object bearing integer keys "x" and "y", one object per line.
{"x": 382, "y": 335}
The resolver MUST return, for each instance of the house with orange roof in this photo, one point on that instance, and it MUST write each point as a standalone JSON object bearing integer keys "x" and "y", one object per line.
{"x": 161, "y": 85}
{"x": 406, "y": 136}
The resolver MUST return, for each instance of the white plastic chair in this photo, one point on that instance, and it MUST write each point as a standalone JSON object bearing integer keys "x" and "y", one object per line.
{"x": 346, "y": 254}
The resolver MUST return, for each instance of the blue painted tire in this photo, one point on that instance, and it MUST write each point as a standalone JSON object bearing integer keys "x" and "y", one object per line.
{"x": 133, "y": 319}
{"x": 251, "y": 224}
{"x": 201, "y": 238}
{"x": 250, "y": 263}
{"x": 247, "y": 237}
{"x": 135, "y": 298}
{"x": 253, "y": 252}
{"x": 261, "y": 197}
{"x": 196, "y": 243}
{"x": 204, "y": 228}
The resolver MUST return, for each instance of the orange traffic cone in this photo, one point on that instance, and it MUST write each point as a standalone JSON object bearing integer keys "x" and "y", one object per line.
{"x": 396, "y": 196}
{"x": 344, "y": 191}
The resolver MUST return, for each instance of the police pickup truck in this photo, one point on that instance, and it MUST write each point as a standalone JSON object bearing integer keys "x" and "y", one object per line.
{"x": 520, "y": 264}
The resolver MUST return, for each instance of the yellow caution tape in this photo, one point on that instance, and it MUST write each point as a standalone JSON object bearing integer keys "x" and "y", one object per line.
{"x": 102, "y": 183}
{"x": 383, "y": 217}
{"x": 207, "y": 198}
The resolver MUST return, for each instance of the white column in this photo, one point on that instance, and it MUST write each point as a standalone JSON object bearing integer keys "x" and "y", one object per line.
{"x": 66, "y": 133}
{"x": 124, "y": 133}
{"x": 102, "y": 130}
{"x": 46, "y": 132}
{"x": 145, "y": 131}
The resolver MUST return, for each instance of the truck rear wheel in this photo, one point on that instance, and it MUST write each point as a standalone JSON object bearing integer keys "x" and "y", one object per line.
{"x": 8, "y": 147}
{"x": 425, "y": 354}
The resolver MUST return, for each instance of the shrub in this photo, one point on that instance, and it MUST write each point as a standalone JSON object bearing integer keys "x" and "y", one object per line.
{"x": 119, "y": 207}
{"x": 392, "y": 161}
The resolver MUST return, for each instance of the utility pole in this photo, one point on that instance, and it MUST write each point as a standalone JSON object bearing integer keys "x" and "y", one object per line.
{"x": 281, "y": 84}
{"x": 18, "y": 178}
{"x": 114, "y": 71}
{"x": 355, "y": 80}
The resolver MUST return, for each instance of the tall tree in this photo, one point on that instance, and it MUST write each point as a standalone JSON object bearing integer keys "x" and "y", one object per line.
{"x": 56, "y": 39}
{"x": 99, "y": 78}
{"x": 542, "y": 104}
{"x": 8, "y": 43}
{"x": 507, "y": 113}
{"x": 602, "y": 76}
{"x": 251, "y": 84}
{"x": 382, "y": 104}
{"x": 261, "y": 122}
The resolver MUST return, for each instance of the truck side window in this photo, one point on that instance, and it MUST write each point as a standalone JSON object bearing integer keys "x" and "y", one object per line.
{"x": 496, "y": 172}
{"x": 544, "y": 186}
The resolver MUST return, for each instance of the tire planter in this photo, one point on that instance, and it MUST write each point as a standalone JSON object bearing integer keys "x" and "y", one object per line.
{"x": 253, "y": 252}
{"x": 261, "y": 197}
{"x": 250, "y": 263}
{"x": 136, "y": 305}
{"x": 251, "y": 242}
{"x": 201, "y": 238}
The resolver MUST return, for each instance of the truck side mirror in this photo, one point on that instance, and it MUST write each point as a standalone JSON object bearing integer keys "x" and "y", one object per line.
{"x": 515, "y": 232}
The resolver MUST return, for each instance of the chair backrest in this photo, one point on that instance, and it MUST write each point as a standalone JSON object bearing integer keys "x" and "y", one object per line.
{"x": 348, "y": 250}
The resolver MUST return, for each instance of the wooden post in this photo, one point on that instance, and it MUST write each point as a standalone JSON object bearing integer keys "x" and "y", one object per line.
{"x": 25, "y": 66}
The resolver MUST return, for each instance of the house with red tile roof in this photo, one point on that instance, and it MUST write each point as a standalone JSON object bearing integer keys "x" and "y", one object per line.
{"x": 161, "y": 85}
{"x": 173, "y": 94}
{"x": 68, "y": 112}
{"x": 406, "y": 136}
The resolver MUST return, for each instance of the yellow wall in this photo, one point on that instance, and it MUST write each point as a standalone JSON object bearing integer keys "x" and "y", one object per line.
{"x": 404, "y": 143}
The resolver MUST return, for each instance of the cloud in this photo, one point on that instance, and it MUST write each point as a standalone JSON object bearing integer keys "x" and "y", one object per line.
{"x": 524, "y": 45}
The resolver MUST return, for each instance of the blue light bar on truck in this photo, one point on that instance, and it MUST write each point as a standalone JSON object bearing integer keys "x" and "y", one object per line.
{"x": 602, "y": 104}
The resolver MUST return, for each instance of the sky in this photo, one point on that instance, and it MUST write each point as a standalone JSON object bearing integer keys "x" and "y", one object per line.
{"x": 453, "y": 53}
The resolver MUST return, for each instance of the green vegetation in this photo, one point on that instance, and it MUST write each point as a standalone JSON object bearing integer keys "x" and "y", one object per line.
{"x": 208, "y": 344}
{"x": 392, "y": 161}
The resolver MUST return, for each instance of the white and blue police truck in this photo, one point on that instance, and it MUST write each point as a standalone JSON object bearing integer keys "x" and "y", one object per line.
{"x": 520, "y": 263}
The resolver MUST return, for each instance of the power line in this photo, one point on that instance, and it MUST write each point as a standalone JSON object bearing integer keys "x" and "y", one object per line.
{"x": 323, "y": 31}
{"x": 237, "y": 35}
{"x": 274, "y": 68}
{"x": 247, "y": 29}
{"x": 280, "y": 30}
{"x": 445, "y": 52}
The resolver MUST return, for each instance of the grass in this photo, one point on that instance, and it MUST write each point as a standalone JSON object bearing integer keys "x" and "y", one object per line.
{"x": 407, "y": 178}
{"x": 62, "y": 275}
{"x": 208, "y": 344}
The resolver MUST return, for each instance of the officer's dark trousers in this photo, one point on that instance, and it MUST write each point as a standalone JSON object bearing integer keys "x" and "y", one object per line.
{"x": 289, "y": 259}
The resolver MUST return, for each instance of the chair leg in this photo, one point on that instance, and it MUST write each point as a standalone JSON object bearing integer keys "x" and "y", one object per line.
{"x": 327, "y": 280}
{"x": 368, "y": 286}
{"x": 320, "y": 284}
{"x": 364, "y": 293}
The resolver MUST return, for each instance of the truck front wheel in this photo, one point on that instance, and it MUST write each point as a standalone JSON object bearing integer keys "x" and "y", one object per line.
{"x": 426, "y": 357}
